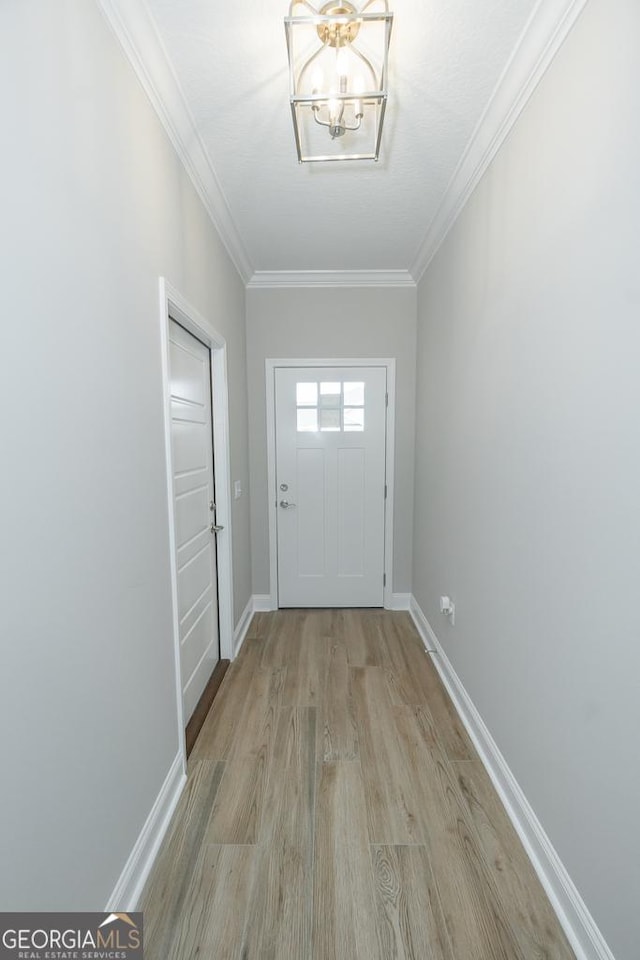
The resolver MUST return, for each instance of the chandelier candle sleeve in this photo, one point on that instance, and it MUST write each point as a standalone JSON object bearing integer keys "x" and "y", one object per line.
{"x": 338, "y": 64}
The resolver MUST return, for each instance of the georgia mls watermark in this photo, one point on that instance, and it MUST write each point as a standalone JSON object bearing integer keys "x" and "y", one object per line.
{"x": 71, "y": 936}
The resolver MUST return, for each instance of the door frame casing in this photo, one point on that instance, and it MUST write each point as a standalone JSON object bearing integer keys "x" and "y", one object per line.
{"x": 173, "y": 306}
{"x": 271, "y": 365}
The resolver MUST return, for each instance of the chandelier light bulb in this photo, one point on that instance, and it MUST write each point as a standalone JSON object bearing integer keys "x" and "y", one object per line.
{"x": 342, "y": 63}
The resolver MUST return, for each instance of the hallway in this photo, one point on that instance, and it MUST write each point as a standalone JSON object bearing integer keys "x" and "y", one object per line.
{"x": 335, "y": 808}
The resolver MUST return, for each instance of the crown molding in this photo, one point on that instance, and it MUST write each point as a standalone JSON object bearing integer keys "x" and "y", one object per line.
{"x": 545, "y": 32}
{"x": 135, "y": 29}
{"x": 283, "y": 279}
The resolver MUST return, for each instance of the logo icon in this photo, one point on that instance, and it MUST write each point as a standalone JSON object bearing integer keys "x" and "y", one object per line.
{"x": 118, "y": 916}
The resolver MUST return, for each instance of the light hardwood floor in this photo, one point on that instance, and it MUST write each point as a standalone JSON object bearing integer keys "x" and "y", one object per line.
{"x": 336, "y": 810}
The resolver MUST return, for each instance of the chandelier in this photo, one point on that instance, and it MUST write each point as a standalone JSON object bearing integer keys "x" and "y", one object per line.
{"x": 338, "y": 78}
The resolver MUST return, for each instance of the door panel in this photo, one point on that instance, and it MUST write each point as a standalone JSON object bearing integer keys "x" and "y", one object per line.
{"x": 192, "y": 615}
{"x": 188, "y": 444}
{"x": 310, "y": 517}
{"x": 194, "y": 581}
{"x": 350, "y": 487}
{"x": 187, "y": 363}
{"x": 330, "y": 478}
{"x": 193, "y": 490}
{"x": 196, "y": 642}
{"x": 191, "y": 507}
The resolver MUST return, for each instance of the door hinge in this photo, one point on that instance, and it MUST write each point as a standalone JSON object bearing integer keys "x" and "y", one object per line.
{"x": 384, "y": 579}
{"x": 385, "y": 491}
{"x": 386, "y": 399}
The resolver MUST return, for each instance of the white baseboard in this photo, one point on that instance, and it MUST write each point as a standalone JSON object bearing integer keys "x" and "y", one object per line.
{"x": 242, "y": 626}
{"x": 578, "y": 924}
{"x": 424, "y": 628}
{"x": 263, "y": 603}
{"x": 400, "y": 601}
{"x": 128, "y": 890}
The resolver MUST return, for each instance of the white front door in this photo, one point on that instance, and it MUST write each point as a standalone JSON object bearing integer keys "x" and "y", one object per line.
{"x": 330, "y": 485}
{"x": 194, "y": 512}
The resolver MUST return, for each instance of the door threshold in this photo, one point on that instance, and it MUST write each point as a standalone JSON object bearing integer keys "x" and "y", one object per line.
{"x": 204, "y": 704}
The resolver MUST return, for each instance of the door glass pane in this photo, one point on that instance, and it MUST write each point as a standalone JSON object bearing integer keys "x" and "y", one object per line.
{"x": 330, "y": 387}
{"x": 354, "y": 394}
{"x": 330, "y": 400}
{"x": 306, "y": 394}
{"x": 354, "y": 419}
{"x": 307, "y": 419}
{"x": 329, "y": 418}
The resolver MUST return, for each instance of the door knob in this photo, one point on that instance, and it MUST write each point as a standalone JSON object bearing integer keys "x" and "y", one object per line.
{"x": 285, "y": 504}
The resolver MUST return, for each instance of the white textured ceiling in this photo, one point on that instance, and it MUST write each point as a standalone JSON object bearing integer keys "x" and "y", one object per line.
{"x": 230, "y": 60}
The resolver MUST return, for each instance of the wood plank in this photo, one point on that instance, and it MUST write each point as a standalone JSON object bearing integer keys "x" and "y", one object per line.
{"x": 236, "y": 815}
{"x": 327, "y": 622}
{"x": 392, "y": 804}
{"x": 410, "y": 921}
{"x": 306, "y": 663}
{"x": 280, "y": 645}
{"x": 217, "y": 897}
{"x": 337, "y": 729}
{"x": 165, "y": 895}
{"x": 448, "y": 737}
{"x": 363, "y": 630}
{"x": 280, "y": 911}
{"x": 523, "y": 898}
{"x": 256, "y": 727}
{"x": 409, "y": 669}
{"x": 260, "y": 626}
{"x": 344, "y": 908}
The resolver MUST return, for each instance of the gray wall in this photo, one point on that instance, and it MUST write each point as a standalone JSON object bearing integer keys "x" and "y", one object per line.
{"x": 367, "y": 322}
{"x": 95, "y": 206}
{"x": 528, "y": 457}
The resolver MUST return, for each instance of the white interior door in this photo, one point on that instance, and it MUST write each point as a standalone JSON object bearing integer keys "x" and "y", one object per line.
{"x": 194, "y": 512}
{"x": 330, "y": 480}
